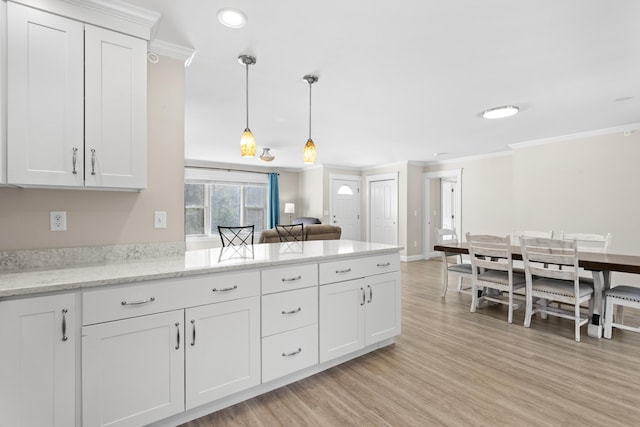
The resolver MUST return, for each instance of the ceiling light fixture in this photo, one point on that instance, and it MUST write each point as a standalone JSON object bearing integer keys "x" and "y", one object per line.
{"x": 309, "y": 156}
{"x": 500, "y": 112}
{"x": 247, "y": 141}
{"x": 232, "y": 18}
{"x": 266, "y": 155}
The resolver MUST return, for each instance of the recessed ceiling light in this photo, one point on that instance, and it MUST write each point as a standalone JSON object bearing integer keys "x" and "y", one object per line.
{"x": 232, "y": 18}
{"x": 500, "y": 112}
{"x": 624, "y": 98}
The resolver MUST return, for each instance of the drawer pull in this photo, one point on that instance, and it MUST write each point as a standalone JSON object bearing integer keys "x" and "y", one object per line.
{"x": 386, "y": 264}
{"x": 364, "y": 298}
{"x": 233, "y": 288}
{"x": 346, "y": 270}
{"x": 193, "y": 336}
{"x": 293, "y": 353}
{"x": 297, "y": 310}
{"x": 370, "y": 293}
{"x": 144, "y": 301}
{"x": 64, "y": 324}
{"x": 291, "y": 279}
{"x": 178, "y": 336}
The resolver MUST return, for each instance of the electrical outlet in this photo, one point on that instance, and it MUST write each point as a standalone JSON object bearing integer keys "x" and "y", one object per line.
{"x": 58, "y": 221}
{"x": 159, "y": 219}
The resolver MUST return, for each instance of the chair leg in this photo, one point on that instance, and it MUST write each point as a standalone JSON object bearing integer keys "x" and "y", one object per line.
{"x": 510, "y": 316}
{"x": 608, "y": 317}
{"x": 459, "y": 283}
{"x": 544, "y": 303}
{"x": 445, "y": 279}
{"x": 619, "y": 314}
{"x": 576, "y": 313}
{"x": 528, "y": 310}
{"x": 474, "y": 297}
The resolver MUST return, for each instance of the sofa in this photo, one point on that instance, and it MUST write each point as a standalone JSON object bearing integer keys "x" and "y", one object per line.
{"x": 311, "y": 232}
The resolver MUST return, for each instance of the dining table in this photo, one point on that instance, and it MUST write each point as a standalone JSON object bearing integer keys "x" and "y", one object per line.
{"x": 600, "y": 264}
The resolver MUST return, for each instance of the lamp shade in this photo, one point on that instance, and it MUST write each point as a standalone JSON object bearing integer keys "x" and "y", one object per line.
{"x": 289, "y": 208}
{"x": 247, "y": 144}
{"x": 309, "y": 156}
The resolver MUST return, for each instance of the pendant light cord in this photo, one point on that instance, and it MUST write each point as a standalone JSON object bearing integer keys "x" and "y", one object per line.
{"x": 309, "y": 110}
{"x": 247, "y": 92}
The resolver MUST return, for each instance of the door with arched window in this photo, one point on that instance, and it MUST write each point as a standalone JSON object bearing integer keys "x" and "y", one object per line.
{"x": 345, "y": 206}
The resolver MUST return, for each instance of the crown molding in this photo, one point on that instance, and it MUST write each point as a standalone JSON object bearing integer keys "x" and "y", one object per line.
{"x": 580, "y": 135}
{"x": 112, "y": 14}
{"x": 172, "y": 50}
{"x": 470, "y": 158}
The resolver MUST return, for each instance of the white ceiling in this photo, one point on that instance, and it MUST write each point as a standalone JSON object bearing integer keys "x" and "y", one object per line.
{"x": 402, "y": 80}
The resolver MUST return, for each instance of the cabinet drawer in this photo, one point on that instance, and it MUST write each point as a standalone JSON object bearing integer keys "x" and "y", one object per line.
{"x": 285, "y": 311}
{"x": 289, "y": 352}
{"x": 288, "y": 278}
{"x": 163, "y": 295}
{"x": 353, "y": 268}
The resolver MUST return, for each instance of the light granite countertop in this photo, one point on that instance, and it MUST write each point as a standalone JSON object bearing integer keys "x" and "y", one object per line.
{"x": 35, "y": 281}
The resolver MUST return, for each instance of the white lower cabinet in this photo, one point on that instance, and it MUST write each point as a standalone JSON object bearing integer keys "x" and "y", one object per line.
{"x": 133, "y": 370}
{"x": 357, "y": 313}
{"x": 222, "y": 349}
{"x": 38, "y": 361}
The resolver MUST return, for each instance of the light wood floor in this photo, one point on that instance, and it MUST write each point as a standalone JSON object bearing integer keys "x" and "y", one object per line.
{"x": 451, "y": 367}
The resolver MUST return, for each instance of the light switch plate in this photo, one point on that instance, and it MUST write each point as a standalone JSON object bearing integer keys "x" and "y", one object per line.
{"x": 160, "y": 219}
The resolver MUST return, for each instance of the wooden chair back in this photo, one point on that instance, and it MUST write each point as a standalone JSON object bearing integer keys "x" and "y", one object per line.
{"x": 589, "y": 242}
{"x": 516, "y": 235}
{"x": 490, "y": 252}
{"x": 550, "y": 252}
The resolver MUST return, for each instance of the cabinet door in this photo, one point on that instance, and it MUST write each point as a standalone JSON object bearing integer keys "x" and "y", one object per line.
{"x": 3, "y": 92}
{"x": 222, "y": 349}
{"x": 37, "y": 361}
{"x": 382, "y": 312}
{"x": 133, "y": 370}
{"x": 45, "y": 92}
{"x": 115, "y": 109}
{"x": 341, "y": 318}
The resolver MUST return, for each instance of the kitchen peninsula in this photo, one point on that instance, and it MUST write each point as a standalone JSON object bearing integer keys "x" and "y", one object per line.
{"x": 166, "y": 340}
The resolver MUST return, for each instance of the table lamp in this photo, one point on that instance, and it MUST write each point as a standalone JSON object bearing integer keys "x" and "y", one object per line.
{"x": 289, "y": 208}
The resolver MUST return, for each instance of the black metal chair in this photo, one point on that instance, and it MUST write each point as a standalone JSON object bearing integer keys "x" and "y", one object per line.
{"x": 290, "y": 233}
{"x": 236, "y": 236}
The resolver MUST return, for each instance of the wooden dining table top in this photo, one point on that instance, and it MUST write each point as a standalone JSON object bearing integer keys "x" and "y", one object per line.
{"x": 592, "y": 261}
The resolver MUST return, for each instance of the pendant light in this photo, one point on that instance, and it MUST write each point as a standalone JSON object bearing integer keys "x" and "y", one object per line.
{"x": 247, "y": 141}
{"x": 266, "y": 155}
{"x": 309, "y": 156}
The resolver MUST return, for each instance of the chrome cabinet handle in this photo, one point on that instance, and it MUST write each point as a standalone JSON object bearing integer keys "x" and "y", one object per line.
{"x": 291, "y": 279}
{"x": 348, "y": 270}
{"x": 233, "y": 288}
{"x": 370, "y": 293}
{"x": 193, "y": 335}
{"x": 93, "y": 161}
{"x": 64, "y": 324}
{"x": 363, "y": 297}
{"x": 386, "y": 264}
{"x": 178, "y": 332}
{"x": 144, "y": 301}
{"x": 293, "y": 353}
{"x": 297, "y": 310}
{"x": 74, "y": 160}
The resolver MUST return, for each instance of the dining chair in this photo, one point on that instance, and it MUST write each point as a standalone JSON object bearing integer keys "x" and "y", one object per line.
{"x": 516, "y": 235}
{"x": 290, "y": 233}
{"x": 458, "y": 267}
{"x": 236, "y": 236}
{"x": 589, "y": 242}
{"x": 619, "y": 297}
{"x": 492, "y": 269}
{"x": 552, "y": 284}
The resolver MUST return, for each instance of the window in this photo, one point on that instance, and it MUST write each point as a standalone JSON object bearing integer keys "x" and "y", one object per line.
{"x": 223, "y": 198}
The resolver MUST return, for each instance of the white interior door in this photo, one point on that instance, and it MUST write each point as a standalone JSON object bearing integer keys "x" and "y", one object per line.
{"x": 345, "y": 207}
{"x": 383, "y": 208}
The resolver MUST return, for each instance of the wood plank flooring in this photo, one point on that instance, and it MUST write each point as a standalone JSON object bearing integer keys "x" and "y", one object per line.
{"x": 451, "y": 367}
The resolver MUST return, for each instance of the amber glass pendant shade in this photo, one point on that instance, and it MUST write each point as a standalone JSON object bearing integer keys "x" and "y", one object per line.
{"x": 247, "y": 144}
{"x": 309, "y": 156}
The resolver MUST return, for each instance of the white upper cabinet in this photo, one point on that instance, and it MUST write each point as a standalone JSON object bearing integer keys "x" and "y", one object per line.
{"x": 76, "y": 103}
{"x": 115, "y": 109}
{"x": 45, "y": 98}
{"x": 3, "y": 92}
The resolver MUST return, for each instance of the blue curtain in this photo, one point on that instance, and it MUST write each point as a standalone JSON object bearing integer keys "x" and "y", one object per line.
{"x": 273, "y": 208}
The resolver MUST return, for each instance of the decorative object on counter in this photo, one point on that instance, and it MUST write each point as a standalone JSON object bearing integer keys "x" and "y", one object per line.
{"x": 247, "y": 141}
{"x": 236, "y": 236}
{"x": 309, "y": 157}
{"x": 289, "y": 208}
{"x": 290, "y": 233}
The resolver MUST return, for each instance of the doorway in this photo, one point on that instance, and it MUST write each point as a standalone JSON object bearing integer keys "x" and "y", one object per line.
{"x": 344, "y": 205}
{"x": 446, "y": 210}
{"x": 382, "y": 208}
